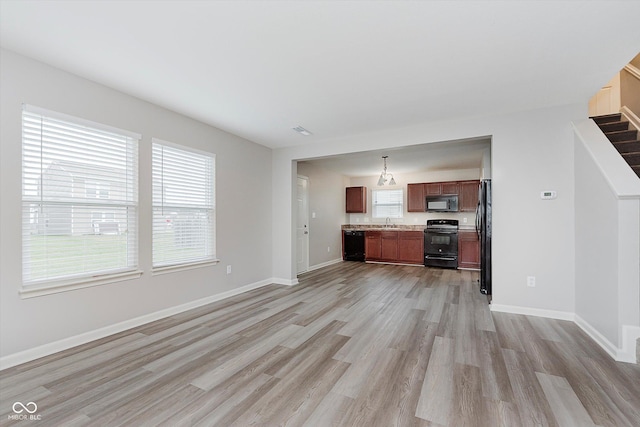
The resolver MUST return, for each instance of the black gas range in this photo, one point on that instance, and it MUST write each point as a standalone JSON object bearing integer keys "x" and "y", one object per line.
{"x": 441, "y": 243}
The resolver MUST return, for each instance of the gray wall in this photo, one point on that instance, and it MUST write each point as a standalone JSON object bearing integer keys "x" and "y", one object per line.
{"x": 243, "y": 209}
{"x": 597, "y": 276}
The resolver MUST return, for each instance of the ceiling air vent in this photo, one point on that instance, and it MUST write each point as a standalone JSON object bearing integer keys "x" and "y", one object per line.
{"x": 302, "y": 131}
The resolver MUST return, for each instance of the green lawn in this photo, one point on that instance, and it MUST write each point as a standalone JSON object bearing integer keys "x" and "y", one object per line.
{"x": 55, "y": 256}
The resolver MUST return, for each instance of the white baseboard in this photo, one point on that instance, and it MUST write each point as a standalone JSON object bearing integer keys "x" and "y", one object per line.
{"x": 67, "y": 343}
{"x": 602, "y": 341}
{"x": 324, "y": 264}
{"x": 286, "y": 282}
{"x": 539, "y": 312}
{"x": 626, "y": 353}
{"x": 629, "y": 333}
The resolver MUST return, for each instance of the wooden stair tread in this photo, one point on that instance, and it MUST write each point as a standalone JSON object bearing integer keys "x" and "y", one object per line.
{"x": 622, "y": 135}
{"x": 614, "y": 126}
{"x": 624, "y": 139}
{"x": 627, "y": 146}
{"x": 607, "y": 118}
{"x": 632, "y": 158}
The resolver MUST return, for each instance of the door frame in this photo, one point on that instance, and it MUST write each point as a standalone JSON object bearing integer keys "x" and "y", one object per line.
{"x": 306, "y": 214}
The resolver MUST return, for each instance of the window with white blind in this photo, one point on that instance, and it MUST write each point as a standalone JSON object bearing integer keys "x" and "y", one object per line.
{"x": 387, "y": 203}
{"x": 79, "y": 201}
{"x": 183, "y": 206}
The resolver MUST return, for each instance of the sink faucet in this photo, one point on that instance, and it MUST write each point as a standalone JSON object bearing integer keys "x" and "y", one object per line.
{"x": 387, "y": 221}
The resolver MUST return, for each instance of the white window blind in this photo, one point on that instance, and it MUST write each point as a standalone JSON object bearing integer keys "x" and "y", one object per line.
{"x": 79, "y": 198}
{"x": 183, "y": 205}
{"x": 387, "y": 203}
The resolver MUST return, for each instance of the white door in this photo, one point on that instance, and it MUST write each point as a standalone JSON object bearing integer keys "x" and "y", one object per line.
{"x": 302, "y": 225}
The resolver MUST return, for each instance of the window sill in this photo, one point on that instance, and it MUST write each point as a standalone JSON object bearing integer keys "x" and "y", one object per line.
{"x": 32, "y": 291}
{"x": 182, "y": 267}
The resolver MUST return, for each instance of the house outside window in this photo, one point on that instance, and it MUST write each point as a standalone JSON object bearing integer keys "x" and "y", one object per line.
{"x": 183, "y": 206}
{"x": 77, "y": 175}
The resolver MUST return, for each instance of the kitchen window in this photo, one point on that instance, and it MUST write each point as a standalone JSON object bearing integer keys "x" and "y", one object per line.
{"x": 387, "y": 203}
{"x": 183, "y": 207}
{"x": 79, "y": 203}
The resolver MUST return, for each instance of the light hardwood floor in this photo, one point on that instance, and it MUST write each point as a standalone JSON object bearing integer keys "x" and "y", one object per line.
{"x": 353, "y": 345}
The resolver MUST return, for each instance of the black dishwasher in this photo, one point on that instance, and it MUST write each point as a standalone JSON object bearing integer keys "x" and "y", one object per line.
{"x": 353, "y": 245}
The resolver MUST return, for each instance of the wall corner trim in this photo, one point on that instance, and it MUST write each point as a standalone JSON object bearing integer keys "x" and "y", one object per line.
{"x": 603, "y": 342}
{"x": 286, "y": 282}
{"x": 629, "y": 335}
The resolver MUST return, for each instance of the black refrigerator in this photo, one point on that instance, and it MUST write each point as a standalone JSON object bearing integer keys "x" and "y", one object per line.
{"x": 483, "y": 228}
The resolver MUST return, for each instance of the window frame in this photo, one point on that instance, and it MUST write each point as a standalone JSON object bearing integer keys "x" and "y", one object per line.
{"x": 187, "y": 264}
{"x": 374, "y": 213}
{"x": 30, "y": 287}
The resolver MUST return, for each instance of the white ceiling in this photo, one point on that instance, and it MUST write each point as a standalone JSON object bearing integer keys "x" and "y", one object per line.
{"x": 337, "y": 68}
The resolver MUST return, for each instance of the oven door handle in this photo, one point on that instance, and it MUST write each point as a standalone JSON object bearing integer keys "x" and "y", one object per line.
{"x": 444, "y": 258}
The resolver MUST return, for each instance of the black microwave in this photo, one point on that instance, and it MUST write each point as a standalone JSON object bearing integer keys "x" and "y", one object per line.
{"x": 448, "y": 203}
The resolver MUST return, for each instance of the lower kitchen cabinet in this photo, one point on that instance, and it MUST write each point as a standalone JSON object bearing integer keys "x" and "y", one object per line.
{"x": 468, "y": 250}
{"x": 372, "y": 246}
{"x": 389, "y": 245}
{"x": 411, "y": 247}
{"x": 404, "y": 247}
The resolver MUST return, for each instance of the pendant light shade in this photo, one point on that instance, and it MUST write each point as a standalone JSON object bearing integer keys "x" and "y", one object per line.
{"x": 385, "y": 176}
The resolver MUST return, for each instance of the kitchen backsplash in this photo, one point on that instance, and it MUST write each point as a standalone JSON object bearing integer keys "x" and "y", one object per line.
{"x": 414, "y": 218}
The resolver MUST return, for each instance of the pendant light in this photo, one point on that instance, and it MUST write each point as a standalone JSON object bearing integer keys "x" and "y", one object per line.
{"x": 384, "y": 176}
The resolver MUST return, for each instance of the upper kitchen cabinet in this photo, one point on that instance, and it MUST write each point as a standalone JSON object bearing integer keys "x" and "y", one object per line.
{"x": 449, "y": 188}
{"x": 440, "y": 188}
{"x": 356, "y": 200}
{"x": 433, "y": 189}
{"x": 415, "y": 197}
{"x": 468, "y": 199}
{"x": 416, "y": 193}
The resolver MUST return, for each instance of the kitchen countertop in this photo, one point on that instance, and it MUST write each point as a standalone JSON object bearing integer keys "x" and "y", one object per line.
{"x": 398, "y": 227}
{"x": 381, "y": 227}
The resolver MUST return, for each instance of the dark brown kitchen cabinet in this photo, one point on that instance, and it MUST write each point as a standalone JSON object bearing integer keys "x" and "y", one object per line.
{"x": 389, "y": 246}
{"x": 468, "y": 199}
{"x": 356, "y": 200}
{"x": 440, "y": 188}
{"x": 404, "y": 247}
{"x": 411, "y": 247}
{"x": 433, "y": 189}
{"x": 468, "y": 250}
{"x": 415, "y": 198}
{"x": 372, "y": 245}
{"x": 449, "y": 188}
